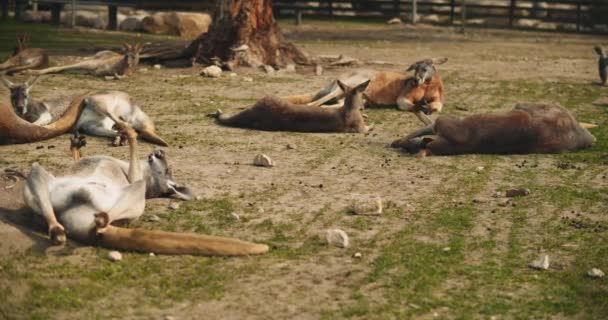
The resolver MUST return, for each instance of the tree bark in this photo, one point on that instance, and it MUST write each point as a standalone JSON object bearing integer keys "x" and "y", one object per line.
{"x": 244, "y": 33}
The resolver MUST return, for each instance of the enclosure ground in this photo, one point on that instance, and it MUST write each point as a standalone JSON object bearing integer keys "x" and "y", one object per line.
{"x": 443, "y": 248}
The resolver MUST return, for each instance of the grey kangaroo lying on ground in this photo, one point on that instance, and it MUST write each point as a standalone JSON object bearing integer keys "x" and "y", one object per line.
{"x": 275, "y": 114}
{"x": 25, "y": 58}
{"x": 103, "y": 63}
{"x": 99, "y": 192}
{"x": 421, "y": 93}
{"x": 528, "y": 128}
{"x": 93, "y": 120}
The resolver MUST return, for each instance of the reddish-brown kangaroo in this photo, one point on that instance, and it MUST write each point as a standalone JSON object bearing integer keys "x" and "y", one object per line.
{"x": 528, "y": 128}
{"x": 25, "y": 58}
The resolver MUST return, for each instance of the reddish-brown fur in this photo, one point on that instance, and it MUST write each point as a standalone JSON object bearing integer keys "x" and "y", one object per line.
{"x": 528, "y": 128}
{"x": 25, "y": 58}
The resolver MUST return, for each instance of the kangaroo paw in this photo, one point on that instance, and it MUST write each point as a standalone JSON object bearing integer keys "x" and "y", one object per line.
{"x": 57, "y": 235}
{"x": 102, "y": 220}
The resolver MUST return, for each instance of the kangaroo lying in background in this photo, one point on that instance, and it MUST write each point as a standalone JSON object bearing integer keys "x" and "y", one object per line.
{"x": 528, "y": 128}
{"x": 103, "y": 63}
{"x": 94, "y": 119}
{"x": 421, "y": 93}
{"x": 274, "y": 114}
{"x": 34, "y": 111}
{"x": 602, "y": 64}
{"x": 99, "y": 192}
{"x": 25, "y": 58}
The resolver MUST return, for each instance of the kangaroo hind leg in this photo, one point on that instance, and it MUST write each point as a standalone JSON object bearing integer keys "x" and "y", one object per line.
{"x": 129, "y": 206}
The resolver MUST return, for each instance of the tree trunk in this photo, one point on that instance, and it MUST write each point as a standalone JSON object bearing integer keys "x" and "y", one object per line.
{"x": 244, "y": 33}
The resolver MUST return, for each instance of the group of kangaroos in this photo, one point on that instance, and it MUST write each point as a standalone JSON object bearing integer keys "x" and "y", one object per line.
{"x": 98, "y": 194}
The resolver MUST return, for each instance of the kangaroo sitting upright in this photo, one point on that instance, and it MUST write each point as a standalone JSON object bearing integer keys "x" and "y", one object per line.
{"x": 25, "y": 58}
{"x": 99, "y": 192}
{"x": 602, "y": 64}
{"x": 34, "y": 111}
{"x": 103, "y": 63}
{"x": 528, "y": 128}
{"x": 97, "y": 117}
{"x": 421, "y": 93}
{"x": 274, "y": 114}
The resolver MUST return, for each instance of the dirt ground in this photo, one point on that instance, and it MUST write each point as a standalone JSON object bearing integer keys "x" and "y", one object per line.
{"x": 443, "y": 248}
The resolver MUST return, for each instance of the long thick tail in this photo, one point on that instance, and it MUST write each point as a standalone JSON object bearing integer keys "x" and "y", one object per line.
{"x": 151, "y": 136}
{"x": 162, "y": 242}
{"x": 300, "y": 99}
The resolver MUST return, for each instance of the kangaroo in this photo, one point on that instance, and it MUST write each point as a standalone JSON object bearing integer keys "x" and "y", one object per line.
{"x": 528, "y": 128}
{"x": 421, "y": 93}
{"x": 14, "y": 130}
{"x": 274, "y": 114}
{"x": 103, "y": 63}
{"x": 98, "y": 193}
{"x": 94, "y": 119}
{"x": 602, "y": 64}
{"x": 34, "y": 111}
{"x": 25, "y": 58}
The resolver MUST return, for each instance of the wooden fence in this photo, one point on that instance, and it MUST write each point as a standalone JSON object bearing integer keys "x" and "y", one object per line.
{"x": 579, "y": 15}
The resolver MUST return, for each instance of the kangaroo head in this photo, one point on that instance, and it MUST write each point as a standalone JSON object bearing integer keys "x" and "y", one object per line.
{"x": 424, "y": 70}
{"x": 353, "y": 96}
{"x": 600, "y": 52}
{"x": 22, "y": 41}
{"x": 160, "y": 182}
{"x": 20, "y": 94}
{"x": 132, "y": 54}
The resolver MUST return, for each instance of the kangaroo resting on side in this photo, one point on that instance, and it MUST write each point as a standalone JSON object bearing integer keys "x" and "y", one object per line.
{"x": 99, "y": 192}
{"x": 34, "y": 111}
{"x": 528, "y": 128}
{"x": 274, "y": 114}
{"x": 25, "y": 58}
{"x": 103, "y": 63}
{"x": 421, "y": 93}
{"x": 602, "y": 64}
{"x": 94, "y": 119}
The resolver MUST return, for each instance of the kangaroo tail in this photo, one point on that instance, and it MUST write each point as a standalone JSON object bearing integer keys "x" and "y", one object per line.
{"x": 162, "y": 242}
{"x": 300, "y": 99}
{"x": 151, "y": 136}
{"x": 587, "y": 125}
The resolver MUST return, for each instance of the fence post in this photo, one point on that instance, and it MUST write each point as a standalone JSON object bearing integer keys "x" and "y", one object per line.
{"x": 511, "y": 13}
{"x": 19, "y": 9}
{"x": 578, "y": 16}
{"x": 4, "y": 9}
{"x": 112, "y": 19}
{"x": 463, "y": 14}
{"x": 56, "y": 13}
{"x": 414, "y": 11}
{"x": 330, "y": 5}
{"x": 73, "y": 22}
{"x": 452, "y": 3}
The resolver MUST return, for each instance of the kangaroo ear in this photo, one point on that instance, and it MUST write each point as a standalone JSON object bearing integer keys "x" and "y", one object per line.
{"x": 599, "y": 51}
{"x": 139, "y": 46}
{"x": 412, "y": 67}
{"x": 343, "y": 86}
{"x": 7, "y": 83}
{"x": 126, "y": 46}
{"x": 363, "y": 86}
{"x": 437, "y": 61}
{"x": 30, "y": 82}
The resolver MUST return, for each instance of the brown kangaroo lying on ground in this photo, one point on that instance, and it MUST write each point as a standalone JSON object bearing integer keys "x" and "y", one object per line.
{"x": 421, "y": 93}
{"x": 528, "y": 128}
{"x": 25, "y": 58}
{"x": 94, "y": 119}
{"x": 99, "y": 192}
{"x": 274, "y": 114}
{"x": 602, "y": 64}
{"x": 103, "y": 63}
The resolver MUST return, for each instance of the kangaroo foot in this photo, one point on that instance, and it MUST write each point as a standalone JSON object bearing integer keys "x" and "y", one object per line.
{"x": 77, "y": 141}
{"x": 119, "y": 141}
{"x": 102, "y": 220}
{"x": 57, "y": 234}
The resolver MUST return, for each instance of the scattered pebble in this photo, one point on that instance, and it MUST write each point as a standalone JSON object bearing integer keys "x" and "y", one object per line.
{"x": 290, "y": 68}
{"x": 153, "y": 218}
{"x": 446, "y": 249}
{"x": 595, "y": 273}
{"x": 144, "y": 70}
{"x": 367, "y": 205}
{"x": 394, "y": 21}
{"x": 114, "y": 256}
{"x": 542, "y": 263}
{"x": 337, "y": 237}
{"x": 197, "y": 104}
{"x": 260, "y": 210}
{"x": 173, "y": 205}
{"x": 233, "y": 74}
{"x": 151, "y": 254}
{"x": 357, "y": 255}
{"x": 480, "y": 168}
{"x": 235, "y": 216}
{"x": 517, "y": 192}
{"x": 497, "y": 194}
{"x": 269, "y": 70}
{"x": 290, "y": 146}
{"x": 169, "y": 318}
{"x": 157, "y": 66}
{"x": 212, "y": 72}
{"x": 262, "y": 160}
{"x": 318, "y": 70}
{"x": 248, "y": 79}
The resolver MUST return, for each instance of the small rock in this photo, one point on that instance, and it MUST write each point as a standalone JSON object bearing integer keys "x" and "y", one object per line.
{"x": 153, "y": 218}
{"x": 144, "y": 70}
{"x": 357, "y": 255}
{"x": 366, "y": 205}
{"x": 114, "y": 256}
{"x": 212, "y": 72}
{"x": 595, "y": 273}
{"x": 318, "y": 70}
{"x": 290, "y": 146}
{"x": 151, "y": 254}
{"x": 542, "y": 263}
{"x": 260, "y": 210}
{"x": 157, "y": 66}
{"x": 108, "y": 78}
{"x": 169, "y": 318}
{"x": 262, "y": 160}
{"x": 235, "y": 216}
{"x": 337, "y": 237}
{"x": 197, "y": 104}
{"x": 233, "y": 74}
{"x": 198, "y": 197}
{"x": 497, "y": 194}
{"x": 248, "y": 79}
{"x": 269, "y": 70}
{"x": 290, "y": 68}
{"x": 480, "y": 168}
{"x": 173, "y": 205}
{"x": 446, "y": 249}
{"x": 394, "y": 21}
{"x": 517, "y": 192}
